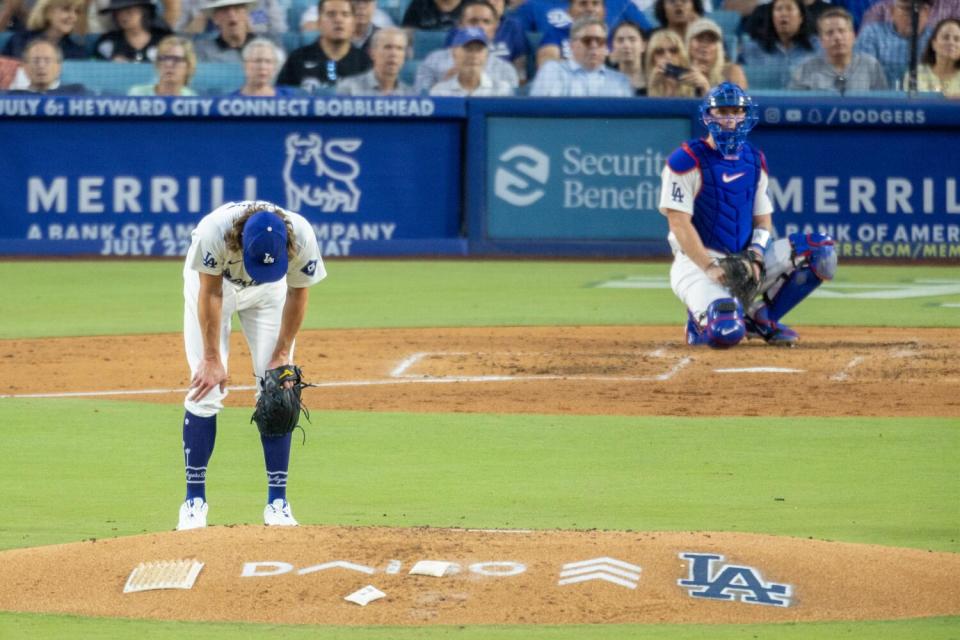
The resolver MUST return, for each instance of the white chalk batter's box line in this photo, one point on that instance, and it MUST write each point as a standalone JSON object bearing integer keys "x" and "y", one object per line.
{"x": 401, "y": 375}
{"x": 402, "y": 370}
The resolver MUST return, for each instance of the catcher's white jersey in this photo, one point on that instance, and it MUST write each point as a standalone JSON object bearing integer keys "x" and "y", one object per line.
{"x": 259, "y": 306}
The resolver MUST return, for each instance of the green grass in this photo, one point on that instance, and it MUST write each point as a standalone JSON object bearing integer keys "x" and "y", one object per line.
{"x": 42, "y": 627}
{"x": 103, "y": 298}
{"x": 886, "y": 481}
{"x": 77, "y": 469}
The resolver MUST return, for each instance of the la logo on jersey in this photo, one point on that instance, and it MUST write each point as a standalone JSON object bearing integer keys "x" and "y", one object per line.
{"x": 676, "y": 193}
{"x": 268, "y": 259}
{"x": 714, "y": 579}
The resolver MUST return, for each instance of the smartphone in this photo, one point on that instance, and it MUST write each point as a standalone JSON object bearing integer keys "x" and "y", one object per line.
{"x": 673, "y": 71}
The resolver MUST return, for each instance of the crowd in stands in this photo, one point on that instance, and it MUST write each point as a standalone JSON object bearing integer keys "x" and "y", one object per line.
{"x": 554, "y": 48}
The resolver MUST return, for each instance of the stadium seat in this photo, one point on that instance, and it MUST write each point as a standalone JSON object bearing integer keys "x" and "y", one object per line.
{"x": 767, "y": 76}
{"x": 217, "y": 78}
{"x": 426, "y": 41}
{"x": 408, "y": 74}
{"x": 106, "y": 78}
{"x": 295, "y": 39}
{"x": 295, "y": 12}
{"x": 395, "y": 8}
{"x": 728, "y": 21}
{"x": 533, "y": 40}
{"x": 89, "y": 41}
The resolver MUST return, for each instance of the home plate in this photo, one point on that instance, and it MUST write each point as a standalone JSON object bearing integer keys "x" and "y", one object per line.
{"x": 759, "y": 370}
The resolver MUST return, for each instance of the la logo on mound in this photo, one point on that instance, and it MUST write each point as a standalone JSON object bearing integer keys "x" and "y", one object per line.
{"x": 523, "y": 170}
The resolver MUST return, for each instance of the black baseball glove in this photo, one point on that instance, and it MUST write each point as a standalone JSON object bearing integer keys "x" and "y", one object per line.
{"x": 279, "y": 405}
{"x": 739, "y": 275}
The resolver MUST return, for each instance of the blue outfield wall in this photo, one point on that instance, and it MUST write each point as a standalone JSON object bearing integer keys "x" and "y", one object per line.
{"x": 424, "y": 176}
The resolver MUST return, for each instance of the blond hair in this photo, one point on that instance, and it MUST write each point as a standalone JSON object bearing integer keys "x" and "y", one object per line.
{"x": 715, "y": 72}
{"x": 188, "y": 52}
{"x": 38, "y": 20}
{"x": 656, "y": 84}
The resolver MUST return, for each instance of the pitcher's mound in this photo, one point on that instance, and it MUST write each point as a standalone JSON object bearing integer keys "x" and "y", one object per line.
{"x": 301, "y": 575}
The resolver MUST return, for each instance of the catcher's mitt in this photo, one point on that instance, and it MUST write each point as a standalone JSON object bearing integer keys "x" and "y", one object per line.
{"x": 739, "y": 277}
{"x": 279, "y": 406}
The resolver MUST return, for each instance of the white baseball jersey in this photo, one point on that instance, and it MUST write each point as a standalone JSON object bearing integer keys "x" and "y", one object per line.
{"x": 209, "y": 254}
{"x": 258, "y": 306}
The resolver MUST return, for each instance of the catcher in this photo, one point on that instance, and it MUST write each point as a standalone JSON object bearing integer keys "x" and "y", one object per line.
{"x": 733, "y": 280}
{"x": 258, "y": 261}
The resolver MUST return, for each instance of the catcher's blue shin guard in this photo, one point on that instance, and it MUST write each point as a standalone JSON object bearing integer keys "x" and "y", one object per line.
{"x": 816, "y": 261}
{"x": 725, "y": 325}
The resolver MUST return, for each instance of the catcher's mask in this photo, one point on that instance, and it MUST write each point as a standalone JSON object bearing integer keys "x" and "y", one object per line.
{"x": 729, "y": 131}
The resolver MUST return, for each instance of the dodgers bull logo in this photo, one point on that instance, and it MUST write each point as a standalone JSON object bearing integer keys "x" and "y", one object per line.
{"x": 321, "y": 175}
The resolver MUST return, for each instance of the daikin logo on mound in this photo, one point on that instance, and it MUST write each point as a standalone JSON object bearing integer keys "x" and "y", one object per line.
{"x": 523, "y": 170}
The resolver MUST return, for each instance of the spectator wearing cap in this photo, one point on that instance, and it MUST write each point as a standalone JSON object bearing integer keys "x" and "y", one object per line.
{"x": 584, "y": 74}
{"x": 889, "y": 41}
{"x": 261, "y": 63}
{"x": 266, "y": 17}
{"x": 331, "y": 57}
{"x": 135, "y": 35}
{"x": 176, "y": 64}
{"x": 439, "y": 64}
{"x": 42, "y": 63}
{"x": 388, "y": 51}
{"x": 707, "y": 58}
{"x": 56, "y": 21}
{"x": 838, "y": 67}
{"x": 471, "y": 51}
{"x": 232, "y": 19}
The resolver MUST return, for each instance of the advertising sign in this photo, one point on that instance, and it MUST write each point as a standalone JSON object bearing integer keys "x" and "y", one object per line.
{"x": 127, "y": 187}
{"x": 563, "y": 179}
{"x": 889, "y": 195}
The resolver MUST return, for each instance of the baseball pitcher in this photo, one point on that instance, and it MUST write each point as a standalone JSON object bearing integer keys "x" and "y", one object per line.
{"x": 258, "y": 261}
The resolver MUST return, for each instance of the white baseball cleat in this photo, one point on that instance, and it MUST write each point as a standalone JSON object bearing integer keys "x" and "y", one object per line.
{"x": 193, "y": 514}
{"x": 277, "y": 514}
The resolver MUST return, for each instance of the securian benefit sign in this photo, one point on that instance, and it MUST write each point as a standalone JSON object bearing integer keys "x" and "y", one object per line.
{"x": 578, "y": 179}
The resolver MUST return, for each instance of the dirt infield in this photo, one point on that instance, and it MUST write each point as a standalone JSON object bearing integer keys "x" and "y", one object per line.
{"x": 256, "y": 574}
{"x": 577, "y": 370}
{"x": 301, "y": 575}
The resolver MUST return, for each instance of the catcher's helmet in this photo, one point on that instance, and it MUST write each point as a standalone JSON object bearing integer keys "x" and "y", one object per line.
{"x": 729, "y": 140}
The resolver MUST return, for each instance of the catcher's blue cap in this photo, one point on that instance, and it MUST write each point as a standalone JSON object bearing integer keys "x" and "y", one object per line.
{"x": 265, "y": 247}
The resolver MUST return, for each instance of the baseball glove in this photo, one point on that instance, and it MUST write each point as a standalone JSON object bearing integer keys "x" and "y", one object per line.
{"x": 279, "y": 405}
{"x": 739, "y": 277}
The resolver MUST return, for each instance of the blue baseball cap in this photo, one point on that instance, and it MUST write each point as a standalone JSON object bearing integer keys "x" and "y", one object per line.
{"x": 468, "y": 35}
{"x": 265, "y": 247}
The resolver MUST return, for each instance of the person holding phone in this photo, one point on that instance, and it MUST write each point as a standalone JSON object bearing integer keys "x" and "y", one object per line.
{"x": 671, "y": 75}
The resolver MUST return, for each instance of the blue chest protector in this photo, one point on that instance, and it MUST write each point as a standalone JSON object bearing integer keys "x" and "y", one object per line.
{"x": 723, "y": 210}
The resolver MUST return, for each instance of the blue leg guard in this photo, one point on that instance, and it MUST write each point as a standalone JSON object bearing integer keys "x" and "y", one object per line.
{"x": 725, "y": 323}
{"x": 816, "y": 261}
